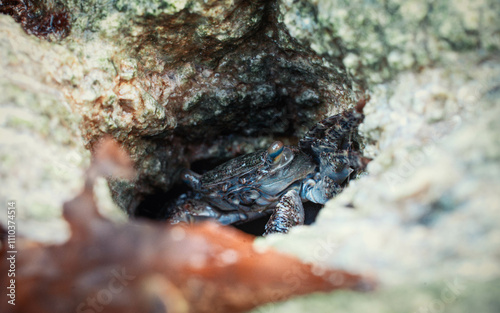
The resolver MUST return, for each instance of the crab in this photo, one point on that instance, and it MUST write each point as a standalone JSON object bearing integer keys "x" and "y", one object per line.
{"x": 276, "y": 181}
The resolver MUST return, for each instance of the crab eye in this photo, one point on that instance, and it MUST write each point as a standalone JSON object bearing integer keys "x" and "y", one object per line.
{"x": 275, "y": 149}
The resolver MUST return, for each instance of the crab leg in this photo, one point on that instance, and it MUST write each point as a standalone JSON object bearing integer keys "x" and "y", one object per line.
{"x": 289, "y": 212}
{"x": 193, "y": 211}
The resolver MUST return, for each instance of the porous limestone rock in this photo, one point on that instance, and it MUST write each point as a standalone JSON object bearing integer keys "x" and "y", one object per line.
{"x": 424, "y": 218}
{"x": 182, "y": 81}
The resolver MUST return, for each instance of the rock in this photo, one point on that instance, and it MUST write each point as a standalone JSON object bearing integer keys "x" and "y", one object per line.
{"x": 425, "y": 217}
{"x": 169, "y": 82}
{"x": 380, "y": 39}
{"x": 176, "y": 83}
{"x": 193, "y": 82}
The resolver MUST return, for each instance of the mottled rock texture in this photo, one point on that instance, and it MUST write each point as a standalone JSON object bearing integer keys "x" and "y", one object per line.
{"x": 425, "y": 218}
{"x": 46, "y": 20}
{"x": 179, "y": 82}
{"x": 378, "y": 39}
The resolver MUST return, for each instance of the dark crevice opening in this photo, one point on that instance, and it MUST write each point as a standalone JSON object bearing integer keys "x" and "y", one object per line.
{"x": 155, "y": 207}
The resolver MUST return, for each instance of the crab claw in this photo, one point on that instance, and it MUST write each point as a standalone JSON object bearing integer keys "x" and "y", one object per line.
{"x": 191, "y": 178}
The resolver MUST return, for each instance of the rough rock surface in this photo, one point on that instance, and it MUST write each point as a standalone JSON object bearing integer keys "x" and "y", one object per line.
{"x": 379, "y": 39}
{"x": 424, "y": 219}
{"x": 170, "y": 81}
